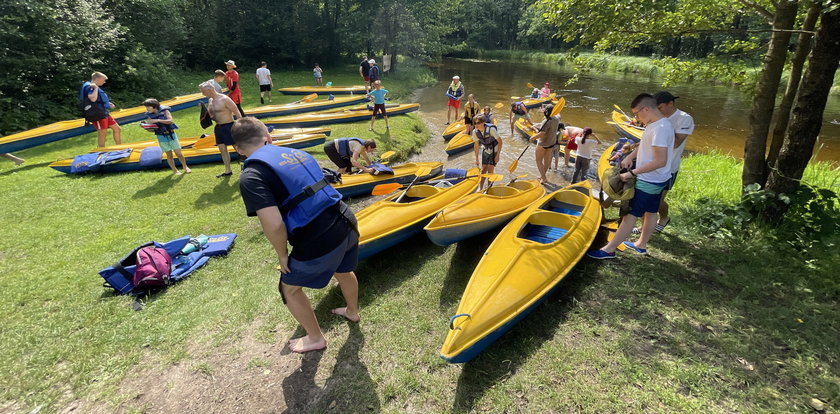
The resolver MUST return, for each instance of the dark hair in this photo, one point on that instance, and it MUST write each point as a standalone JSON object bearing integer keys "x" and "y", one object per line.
{"x": 263, "y": 64}
{"x": 644, "y": 100}
{"x": 586, "y": 132}
{"x": 152, "y": 102}
{"x": 248, "y": 131}
{"x": 478, "y": 119}
{"x": 370, "y": 143}
{"x": 316, "y": 64}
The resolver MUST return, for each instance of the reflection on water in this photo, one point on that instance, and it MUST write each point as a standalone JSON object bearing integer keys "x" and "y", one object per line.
{"x": 720, "y": 112}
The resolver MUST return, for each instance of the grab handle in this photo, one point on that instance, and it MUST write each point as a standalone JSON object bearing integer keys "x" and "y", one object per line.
{"x": 452, "y": 319}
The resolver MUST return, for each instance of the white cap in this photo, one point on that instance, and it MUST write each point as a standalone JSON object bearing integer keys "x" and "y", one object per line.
{"x": 456, "y": 77}
{"x": 371, "y": 61}
{"x": 230, "y": 62}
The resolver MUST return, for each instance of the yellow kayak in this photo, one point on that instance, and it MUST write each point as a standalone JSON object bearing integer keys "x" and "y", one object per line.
{"x": 356, "y": 185}
{"x": 193, "y": 156}
{"x": 335, "y": 90}
{"x": 337, "y": 116}
{"x": 604, "y": 161}
{"x": 526, "y": 261}
{"x": 622, "y": 126}
{"x": 387, "y": 222}
{"x": 522, "y": 126}
{"x": 188, "y": 142}
{"x": 461, "y": 142}
{"x": 66, "y": 129}
{"x": 480, "y": 212}
{"x": 301, "y": 107}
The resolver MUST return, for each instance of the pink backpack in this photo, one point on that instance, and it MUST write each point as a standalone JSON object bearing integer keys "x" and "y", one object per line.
{"x": 153, "y": 268}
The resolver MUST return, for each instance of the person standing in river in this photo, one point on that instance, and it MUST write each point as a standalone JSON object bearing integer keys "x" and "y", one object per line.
{"x": 585, "y": 143}
{"x": 454, "y": 92}
{"x": 471, "y": 109}
{"x": 487, "y": 147}
{"x": 546, "y": 139}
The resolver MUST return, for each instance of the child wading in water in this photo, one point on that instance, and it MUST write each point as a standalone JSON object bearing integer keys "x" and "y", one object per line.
{"x": 165, "y": 132}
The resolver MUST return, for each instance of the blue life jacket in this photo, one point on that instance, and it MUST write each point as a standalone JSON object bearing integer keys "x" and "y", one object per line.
{"x": 344, "y": 146}
{"x": 162, "y": 129}
{"x": 310, "y": 194}
{"x": 517, "y": 108}
{"x": 101, "y": 99}
{"x": 380, "y": 168}
{"x": 485, "y": 138}
{"x": 373, "y": 74}
{"x": 488, "y": 118}
{"x": 456, "y": 91}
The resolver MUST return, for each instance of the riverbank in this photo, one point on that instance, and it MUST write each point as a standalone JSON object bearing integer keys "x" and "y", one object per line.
{"x": 651, "y": 67}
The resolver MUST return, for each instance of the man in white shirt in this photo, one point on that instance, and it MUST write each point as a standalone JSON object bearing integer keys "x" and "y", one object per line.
{"x": 683, "y": 125}
{"x": 653, "y": 171}
{"x": 265, "y": 81}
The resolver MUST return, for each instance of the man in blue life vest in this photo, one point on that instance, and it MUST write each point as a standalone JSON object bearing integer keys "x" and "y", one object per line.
{"x": 286, "y": 190}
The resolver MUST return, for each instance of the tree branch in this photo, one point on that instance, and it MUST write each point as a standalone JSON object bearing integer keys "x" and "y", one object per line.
{"x": 702, "y": 31}
{"x": 758, "y": 9}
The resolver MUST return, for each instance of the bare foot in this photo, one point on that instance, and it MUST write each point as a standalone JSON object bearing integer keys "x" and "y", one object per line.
{"x": 304, "y": 344}
{"x": 343, "y": 312}
{"x": 176, "y": 172}
{"x": 187, "y": 170}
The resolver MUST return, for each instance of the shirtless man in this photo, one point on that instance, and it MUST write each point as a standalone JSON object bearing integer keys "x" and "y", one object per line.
{"x": 224, "y": 112}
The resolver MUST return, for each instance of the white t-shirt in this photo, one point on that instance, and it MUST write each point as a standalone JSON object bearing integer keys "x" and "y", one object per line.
{"x": 264, "y": 76}
{"x": 585, "y": 148}
{"x": 657, "y": 134}
{"x": 216, "y": 85}
{"x": 683, "y": 124}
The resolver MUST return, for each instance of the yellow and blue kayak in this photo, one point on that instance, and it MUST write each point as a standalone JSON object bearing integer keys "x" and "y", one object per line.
{"x": 302, "y": 107}
{"x": 189, "y": 142}
{"x": 338, "y": 116}
{"x": 483, "y": 211}
{"x": 527, "y": 261}
{"x": 387, "y": 222}
{"x": 67, "y": 129}
{"x": 361, "y": 184}
{"x": 461, "y": 142}
{"x": 523, "y": 127}
{"x": 335, "y": 90}
{"x": 206, "y": 154}
{"x": 458, "y": 127}
{"x": 623, "y": 127}
{"x": 604, "y": 161}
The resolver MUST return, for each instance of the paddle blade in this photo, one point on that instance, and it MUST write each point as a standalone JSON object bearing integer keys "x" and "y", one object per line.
{"x": 514, "y": 98}
{"x": 559, "y": 106}
{"x": 206, "y": 142}
{"x": 618, "y": 108}
{"x": 529, "y": 85}
{"x": 513, "y": 166}
{"x": 492, "y": 177}
{"x": 383, "y": 189}
{"x": 499, "y": 105}
{"x": 309, "y": 98}
{"x": 387, "y": 154}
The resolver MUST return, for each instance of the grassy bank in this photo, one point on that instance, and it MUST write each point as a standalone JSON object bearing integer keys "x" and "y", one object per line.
{"x": 707, "y": 324}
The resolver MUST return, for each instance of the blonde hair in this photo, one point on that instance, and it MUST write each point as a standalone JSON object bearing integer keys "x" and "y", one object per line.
{"x": 97, "y": 75}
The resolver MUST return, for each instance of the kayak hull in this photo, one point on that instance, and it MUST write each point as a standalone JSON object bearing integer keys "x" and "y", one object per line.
{"x": 387, "y": 222}
{"x": 625, "y": 130}
{"x": 67, "y": 129}
{"x": 291, "y": 109}
{"x": 186, "y": 142}
{"x": 527, "y": 261}
{"x": 452, "y": 235}
{"x": 459, "y": 143}
{"x": 359, "y": 185}
{"x": 335, "y": 90}
{"x": 338, "y": 117}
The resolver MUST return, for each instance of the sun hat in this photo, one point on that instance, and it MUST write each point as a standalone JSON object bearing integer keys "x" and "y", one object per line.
{"x": 456, "y": 77}
{"x": 230, "y": 62}
{"x": 547, "y": 84}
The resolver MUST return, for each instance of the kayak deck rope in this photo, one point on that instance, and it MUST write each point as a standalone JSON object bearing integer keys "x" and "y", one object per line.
{"x": 452, "y": 319}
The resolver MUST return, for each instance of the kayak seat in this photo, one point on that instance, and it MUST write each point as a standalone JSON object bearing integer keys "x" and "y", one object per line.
{"x": 562, "y": 207}
{"x": 541, "y": 234}
{"x": 502, "y": 191}
{"x": 522, "y": 185}
{"x": 419, "y": 192}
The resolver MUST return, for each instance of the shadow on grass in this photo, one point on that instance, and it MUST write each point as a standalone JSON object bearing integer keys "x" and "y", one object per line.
{"x": 504, "y": 357}
{"x": 224, "y": 192}
{"x": 467, "y": 255}
{"x": 161, "y": 186}
{"x": 25, "y": 167}
{"x": 348, "y": 389}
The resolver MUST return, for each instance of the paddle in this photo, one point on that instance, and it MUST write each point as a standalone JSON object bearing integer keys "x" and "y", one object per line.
{"x": 308, "y": 98}
{"x": 529, "y": 85}
{"x": 509, "y": 182}
{"x": 559, "y": 107}
{"x": 499, "y": 105}
{"x": 383, "y": 189}
{"x": 515, "y": 163}
{"x": 387, "y": 154}
{"x": 419, "y": 173}
{"x": 206, "y": 142}
{"x": 516, "y": 178}
{"x": 388, "y": 188}
{"x": 622, "y": 112}
{"x": 632, "y": 126}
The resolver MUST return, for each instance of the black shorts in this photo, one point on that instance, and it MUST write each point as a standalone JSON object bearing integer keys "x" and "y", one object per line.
{"x": 488, "y": 158}
{"x": 467, "y": 120}
{"x": 265, "y": 88}
{"x": 379, "y": 108}
{"x": 223, "y": 135}
{"x": 338, "y": 160}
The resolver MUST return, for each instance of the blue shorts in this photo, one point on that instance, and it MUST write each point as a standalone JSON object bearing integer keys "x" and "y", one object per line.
{"x": 643, "y": 202}
{"x": 168, "y": 142}
{"x": 316, "y": 273}
{"x": 670, "y": 184}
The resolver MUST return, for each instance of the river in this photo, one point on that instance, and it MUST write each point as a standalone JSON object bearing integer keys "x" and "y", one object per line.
{"x": 720, "y": 112}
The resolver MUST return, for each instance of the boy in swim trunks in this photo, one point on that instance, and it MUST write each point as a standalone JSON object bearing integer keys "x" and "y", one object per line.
{"x": 222, "y": 110}
{"x": 165, "y": 133}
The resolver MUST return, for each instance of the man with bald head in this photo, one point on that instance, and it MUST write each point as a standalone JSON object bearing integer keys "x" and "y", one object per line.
{"x": 224, "y": 111}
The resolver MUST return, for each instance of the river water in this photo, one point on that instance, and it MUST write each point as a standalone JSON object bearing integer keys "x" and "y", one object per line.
{"x": 720, "y": 112}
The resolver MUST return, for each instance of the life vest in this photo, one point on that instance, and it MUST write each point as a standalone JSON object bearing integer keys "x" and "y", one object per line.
{"x": 373, "y": 73}
{"x": 486, "y": 139}
{"x": 456, "y": 91}
{"x": 488, "y": 119}
{"x": 535, "y": 94}
{"x": 343, "y": 145}
{"x": 517, "y": 108}
{"x": 309, "y": 192}
{"x": 101, "y": 99}
{"x": 470, "y": 110}
{"x": 162, "y": 129}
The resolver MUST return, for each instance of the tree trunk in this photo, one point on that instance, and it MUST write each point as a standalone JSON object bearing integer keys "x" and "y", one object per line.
{"x": 807, "y": 115}
{"x": 764, "y": 101}
{"x": 796, "y": 66}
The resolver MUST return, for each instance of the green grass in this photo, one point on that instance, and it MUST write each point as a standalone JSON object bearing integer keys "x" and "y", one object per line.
{"x": 702, "y": 325}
